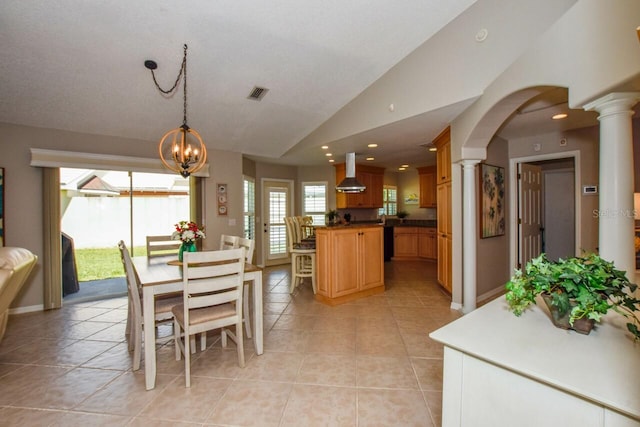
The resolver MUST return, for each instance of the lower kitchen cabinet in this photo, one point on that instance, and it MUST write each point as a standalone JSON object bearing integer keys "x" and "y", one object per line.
{"x": 427, "y": 243}
{"x": 349, "y": 263}
{"x": 405, "y": 242}
{"x": 414, "y": 243}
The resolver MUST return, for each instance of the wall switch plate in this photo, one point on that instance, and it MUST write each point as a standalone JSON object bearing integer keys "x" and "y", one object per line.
{"x": 232, "y": 222}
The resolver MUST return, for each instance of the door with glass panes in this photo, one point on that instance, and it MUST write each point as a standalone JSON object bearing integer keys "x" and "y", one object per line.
{"x": 277, "y": 205}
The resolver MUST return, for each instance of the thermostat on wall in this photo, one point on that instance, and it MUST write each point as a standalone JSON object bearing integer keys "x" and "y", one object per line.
{"x": 590, "y": 189}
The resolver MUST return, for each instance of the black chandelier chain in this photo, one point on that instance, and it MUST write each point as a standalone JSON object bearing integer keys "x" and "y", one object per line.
{"x": 183, "y": 74}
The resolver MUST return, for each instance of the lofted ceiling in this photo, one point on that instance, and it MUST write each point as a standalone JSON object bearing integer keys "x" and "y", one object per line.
{"x": 78, "y": 66}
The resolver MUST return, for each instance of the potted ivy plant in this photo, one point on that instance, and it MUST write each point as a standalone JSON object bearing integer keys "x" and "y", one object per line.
{"x": 577, "y": 290}
{"x": 402, "y": 215}
{"x": 332, "y": 217}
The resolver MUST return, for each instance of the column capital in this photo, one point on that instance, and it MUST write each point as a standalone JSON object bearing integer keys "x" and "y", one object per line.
{"x": 615, "y": 102}
{"x": 469, "y": 163}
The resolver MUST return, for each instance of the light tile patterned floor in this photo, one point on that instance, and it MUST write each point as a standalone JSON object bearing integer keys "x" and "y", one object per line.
{"x": 368, "y": 363}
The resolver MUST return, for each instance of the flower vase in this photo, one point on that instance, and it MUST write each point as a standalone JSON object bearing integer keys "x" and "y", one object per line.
{"x": 186, "y": 247}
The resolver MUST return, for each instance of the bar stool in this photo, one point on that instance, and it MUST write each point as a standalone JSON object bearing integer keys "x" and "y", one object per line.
{"x": 303, "y": 256}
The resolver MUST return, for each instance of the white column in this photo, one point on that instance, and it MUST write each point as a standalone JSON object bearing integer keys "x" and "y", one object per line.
{"x": 616, "y": 219}
{"x": 469, "y": 235}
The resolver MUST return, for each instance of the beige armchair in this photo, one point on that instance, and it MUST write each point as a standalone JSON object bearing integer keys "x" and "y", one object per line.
{"x": 15, "y": 266}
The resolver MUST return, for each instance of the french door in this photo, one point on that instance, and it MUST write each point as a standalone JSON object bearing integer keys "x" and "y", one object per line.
{"x": 277, "y": 205}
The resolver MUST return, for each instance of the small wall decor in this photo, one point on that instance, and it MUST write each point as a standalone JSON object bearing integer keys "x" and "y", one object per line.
{"x": 221, "y": 197}
{"x": 492, "y": 213}
{"x": 1, "y": 206}
{"x": 411, "y": 199}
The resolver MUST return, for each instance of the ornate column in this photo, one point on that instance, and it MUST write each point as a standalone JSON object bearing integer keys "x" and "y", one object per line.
{"x": 615, "y": 213}
{"x": 469, "y": 235}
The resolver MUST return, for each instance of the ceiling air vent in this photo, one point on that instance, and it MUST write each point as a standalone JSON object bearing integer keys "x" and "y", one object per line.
{"x": 257, "y": 93}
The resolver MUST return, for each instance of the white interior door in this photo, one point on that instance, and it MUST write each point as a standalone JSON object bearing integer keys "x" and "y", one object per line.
{"x": 276, "y": 206}
{"x": 529, "y": 212}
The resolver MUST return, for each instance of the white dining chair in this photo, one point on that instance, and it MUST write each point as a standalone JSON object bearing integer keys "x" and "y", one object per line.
{"x": 135, "y": 320}
{"x": 162, "y": 246}
{"x": 228, "y": 242}
{"x": 212, "y": 299}
{"x": 234, "y": 242}
{"x": 249, "y": 246}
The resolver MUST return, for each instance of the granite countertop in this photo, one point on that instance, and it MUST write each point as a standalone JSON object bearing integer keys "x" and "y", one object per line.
{"x": 393, "y": 222}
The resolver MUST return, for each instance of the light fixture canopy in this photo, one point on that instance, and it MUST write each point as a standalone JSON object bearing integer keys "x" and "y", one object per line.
{"x": 182, "y": 149}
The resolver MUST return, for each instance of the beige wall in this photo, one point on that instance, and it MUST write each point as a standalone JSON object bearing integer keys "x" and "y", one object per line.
{"x": 409, "y": 183}
{"x": 493, "y": 253}
{"x": 586, "y": 142}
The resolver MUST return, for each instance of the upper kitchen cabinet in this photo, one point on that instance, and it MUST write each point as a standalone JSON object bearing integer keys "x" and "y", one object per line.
{"x": 443, "y": 155}
{"x": 428, "y": 180}
{"x": 371, "y": 177}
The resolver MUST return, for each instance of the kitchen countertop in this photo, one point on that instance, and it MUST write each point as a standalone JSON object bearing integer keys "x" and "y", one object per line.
{"x": 391, "y": 222}
{"x": 430, "y": 223}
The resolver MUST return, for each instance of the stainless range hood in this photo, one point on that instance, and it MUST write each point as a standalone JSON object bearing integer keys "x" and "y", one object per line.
{"x": 350, "y": 184}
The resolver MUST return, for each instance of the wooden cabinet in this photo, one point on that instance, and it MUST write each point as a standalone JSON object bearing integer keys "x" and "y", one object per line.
{"x": 414, "y": 243}
{"x": 405, "y": 242}
{"x": 444, "y": 208}
{"x": 427, "y": 243}
{"x": 443, "y": 155}
{"x": 428, "y": 178}
{"x": 350, "y": 263}
{"x": 443, "y": 197}
{"x": 444, "y": 262}
{"x": 371, "y": 177}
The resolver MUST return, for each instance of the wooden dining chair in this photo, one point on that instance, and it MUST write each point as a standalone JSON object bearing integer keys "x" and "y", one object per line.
{"x": 135, "y": 320}
{"x": 249, "y": 246}
{"x": 212, "y": 299}
{"x": 228, "y": 242}
{"x": 303, "y": 256}
{"x": 162, "y": 246}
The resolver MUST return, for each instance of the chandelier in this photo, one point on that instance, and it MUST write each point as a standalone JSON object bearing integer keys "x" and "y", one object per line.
{"x": 182, "y": 149}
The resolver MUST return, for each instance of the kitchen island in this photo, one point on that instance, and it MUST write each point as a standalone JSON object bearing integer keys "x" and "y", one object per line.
{"x": 349, "y": 262}
{"x": 502, "y": 370}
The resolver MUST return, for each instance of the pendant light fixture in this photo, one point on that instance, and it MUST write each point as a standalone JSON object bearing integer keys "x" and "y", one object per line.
{"x": 182, "y": 149}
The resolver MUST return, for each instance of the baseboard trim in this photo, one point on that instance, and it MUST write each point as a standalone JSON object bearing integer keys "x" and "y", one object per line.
{"x": 490, "y": 294}
{"x": 27, "y": 309}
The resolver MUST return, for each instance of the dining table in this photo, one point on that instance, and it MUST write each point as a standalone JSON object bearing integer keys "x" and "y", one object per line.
{"x": 163, "y": 275}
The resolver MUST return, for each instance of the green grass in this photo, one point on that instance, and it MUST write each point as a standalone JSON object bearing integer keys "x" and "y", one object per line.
{"x": 101, "y": 263}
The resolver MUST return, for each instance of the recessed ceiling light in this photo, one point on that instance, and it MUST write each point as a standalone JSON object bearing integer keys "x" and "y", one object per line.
{"x": 371, "y": 158}
{"x": 325, "y": 147}
{"x": 401, "y": 168}
{"x": 372, "y": 145}
{"x": 328, "y": 154}
{"x": 331, "y": 160}
{"x": 404, "y": 166}
{"x": 433, "y": 149}
{"x": 559, "y": 116}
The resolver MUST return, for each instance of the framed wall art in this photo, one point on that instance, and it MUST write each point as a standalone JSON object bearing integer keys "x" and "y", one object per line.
{"x": 221, "y": 199}
{"x": 492, "y": 208}
{"x": 1, "y": 206}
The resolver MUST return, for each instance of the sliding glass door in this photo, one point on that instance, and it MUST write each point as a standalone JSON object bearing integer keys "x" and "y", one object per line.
{"x": 99, "y": 208}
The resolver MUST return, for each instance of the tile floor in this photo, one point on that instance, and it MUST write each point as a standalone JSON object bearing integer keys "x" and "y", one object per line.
{"x": 368, "y": 363}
